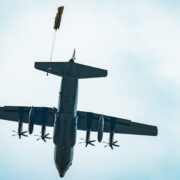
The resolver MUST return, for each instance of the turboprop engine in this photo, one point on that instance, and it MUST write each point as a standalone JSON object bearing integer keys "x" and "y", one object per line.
{"x": 43, "y": 135}
{"x": 44, "y": 117}
{"x": 20, "y": 132}
{"x": 87, "y": 141}
{"x": 111, "y": 143}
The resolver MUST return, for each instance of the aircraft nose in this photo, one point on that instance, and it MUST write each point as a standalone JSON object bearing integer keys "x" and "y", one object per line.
{"x": 62, "y": 172}
{"x": 63, "y": 159}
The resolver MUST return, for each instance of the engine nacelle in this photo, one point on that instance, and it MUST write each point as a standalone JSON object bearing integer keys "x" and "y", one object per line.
{"x": 20, "y": 128}
{"x": 111, "y": 138}
{"x": 43, "y": 130}
{"x": 20, "y": 124}
{"x": 100, "y": 128}
{"x": 31, "y": 120}
{"x": 88, "y": 133}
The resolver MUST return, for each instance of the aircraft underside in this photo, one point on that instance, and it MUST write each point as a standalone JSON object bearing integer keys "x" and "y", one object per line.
{"x": 66, "y": 120}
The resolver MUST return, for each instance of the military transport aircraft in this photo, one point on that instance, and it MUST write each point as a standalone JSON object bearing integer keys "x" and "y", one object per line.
{"x": 66, "y": 120}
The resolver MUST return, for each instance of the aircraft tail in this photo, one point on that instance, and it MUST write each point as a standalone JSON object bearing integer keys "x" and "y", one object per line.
{"x": 70, "y": 69}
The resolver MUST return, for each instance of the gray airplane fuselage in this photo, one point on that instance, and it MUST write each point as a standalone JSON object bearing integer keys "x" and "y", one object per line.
{"x": 65, "y": 126}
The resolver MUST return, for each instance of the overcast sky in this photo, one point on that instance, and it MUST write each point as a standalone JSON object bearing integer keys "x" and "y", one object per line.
{"x": 137, "y": 41}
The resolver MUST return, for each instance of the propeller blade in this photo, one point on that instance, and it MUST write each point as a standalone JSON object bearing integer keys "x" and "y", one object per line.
{"x": 112, "y": 145}
{"x": 48, "y": 138}
{"x": 87, "y": 143}
{"x": 116, "y": 145}
{"x": 47, "y": 135}
{"x": 105, "y": 142}
{"x": 43, "y": 138}
{"x": 91, "y": 144}
{"x": 24, "y": 135}
{"x": 81, "y": 142}
{"x": 92, "y": 141}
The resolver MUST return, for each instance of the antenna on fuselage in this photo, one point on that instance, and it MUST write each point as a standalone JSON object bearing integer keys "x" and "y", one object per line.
{"x": 74, "y": 53}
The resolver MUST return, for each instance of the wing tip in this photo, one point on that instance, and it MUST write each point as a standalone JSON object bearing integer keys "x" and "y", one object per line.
{"x": 156, "y": 131}
{"x": 106, "y": 73}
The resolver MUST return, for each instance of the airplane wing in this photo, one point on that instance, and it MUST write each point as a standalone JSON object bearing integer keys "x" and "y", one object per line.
{"x": 124, "y": 126}
{"x": 11, "y": 113}
{"x": 119, "y": 125}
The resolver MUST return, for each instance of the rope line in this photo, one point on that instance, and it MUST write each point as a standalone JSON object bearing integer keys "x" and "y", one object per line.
{"x": 52, "y": 49}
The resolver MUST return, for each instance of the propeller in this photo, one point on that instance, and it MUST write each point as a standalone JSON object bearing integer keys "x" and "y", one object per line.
{"x": 111, "y": 145}
{"x": 21, "y": 134}
{"x": 43, "y": 137}
{"x": 87, "y": 142}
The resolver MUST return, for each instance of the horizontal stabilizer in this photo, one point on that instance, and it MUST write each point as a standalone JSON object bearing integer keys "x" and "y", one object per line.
{"x": 70, "y": 69}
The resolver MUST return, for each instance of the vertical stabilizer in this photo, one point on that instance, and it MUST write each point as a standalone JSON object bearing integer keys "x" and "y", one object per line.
{"x": 74, "y": 53}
